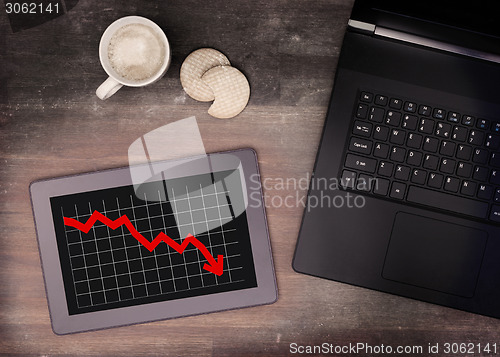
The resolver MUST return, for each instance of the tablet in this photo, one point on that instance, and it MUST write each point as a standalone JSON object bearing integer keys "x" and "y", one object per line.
{"x": 189, "y": 237}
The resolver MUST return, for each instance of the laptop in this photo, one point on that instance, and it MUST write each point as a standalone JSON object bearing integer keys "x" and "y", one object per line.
{"x": 405, "y": 193}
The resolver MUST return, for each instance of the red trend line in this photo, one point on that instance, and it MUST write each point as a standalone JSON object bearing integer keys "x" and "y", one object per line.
{"x": 213, "y": 266}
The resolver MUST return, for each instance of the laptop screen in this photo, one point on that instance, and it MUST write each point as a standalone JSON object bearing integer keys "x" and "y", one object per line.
{"x": 477, "y": 16}
{"x": 474, "y": 24}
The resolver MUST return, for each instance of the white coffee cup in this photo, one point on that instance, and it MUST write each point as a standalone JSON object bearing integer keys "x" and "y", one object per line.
{"x": 134, "y": 52}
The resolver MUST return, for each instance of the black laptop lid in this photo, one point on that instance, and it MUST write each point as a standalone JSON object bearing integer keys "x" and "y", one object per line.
{"x": 472, "y": 24}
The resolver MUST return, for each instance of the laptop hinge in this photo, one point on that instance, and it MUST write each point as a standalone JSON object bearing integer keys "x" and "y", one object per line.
{"x": 427, "y": 42}
{"x": 363, "y": 27}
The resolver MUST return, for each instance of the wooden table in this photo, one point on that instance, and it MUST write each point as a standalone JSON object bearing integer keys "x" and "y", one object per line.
{"x": 52, "y": 124}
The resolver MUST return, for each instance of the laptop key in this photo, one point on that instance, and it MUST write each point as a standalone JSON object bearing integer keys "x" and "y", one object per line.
{"x": 424, "y": 110}
{"x": 402, "y": 173}
{"x": 464, "y": 169}
{"x": 483, "y": 124}
{"x": 362, "y": 111}
{"x": 481, "y": 173}
{"x": 443, "y": 130}
{"x": 410, "y": 122}
{"x": 414, "y": 158}
{"x": 381, "y": 187}
{"x": 495, "y": 159}
{"x": 360, "y": 163}
{"x": 447, "y": 166}
{"x": 398, "y": 190}
{"x": 385, "y": 168}
{"x": 366, "y": 97}
{"x": 397, "y": 137}
{"x": 435, "y": 180}
{"x": 464, "y": 152}
{"x": 376, "y": 114}
{"x": 393, "y": 118}
{"x": 360, "y": 146}
{"x": 395, "y": 103}
{"x": 447, "y": 148}
{"x": 454, "y": 117}
{"x": 468, "y": 120}
{"x": 476, "y": 137}
{"x": 426, "y": 126}
{"x": 398, "y": 154}
{"x": 381, "y": 133}
{"x": 381, "y": 150}
{"x": 459, "y": 133}
{"x": 414, "y": 141}
{"x": 484, "y": 192}
{"x": 468, "y": 188}
{"x": 418, "y": 176}
{"x": 431, "y": 144}
{"x": 348, "y": 179}
{"x": 495, "y": 213}
{"x": 431, "y": 162}
{"x": 452, "y": 184}
{"x": 492, "y": 141}
{"x": 439, "y": 113}
{"x": 480, "y": 156}
{"x": 448, "y": 202}
{"x": 381, "y": 100}
{"x": 364, "y": 183}
{"x": 410, "y": 107}
{"x": 496, "y": 198}
{"x": 495, "y": 177}
{"x": 362, "y": 128}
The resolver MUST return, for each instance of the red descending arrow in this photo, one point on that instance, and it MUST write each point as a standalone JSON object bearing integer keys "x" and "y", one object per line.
{"x": 213, "y": 266}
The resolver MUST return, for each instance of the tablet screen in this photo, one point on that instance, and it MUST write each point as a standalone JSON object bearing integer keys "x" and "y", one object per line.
{"x": 107, "y": 263}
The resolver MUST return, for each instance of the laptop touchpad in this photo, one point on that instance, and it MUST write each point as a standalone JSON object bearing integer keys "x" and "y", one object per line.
{"x": 434, "y": 254}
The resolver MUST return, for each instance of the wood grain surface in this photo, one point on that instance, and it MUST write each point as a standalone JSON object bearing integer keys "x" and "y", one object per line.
{"x": 52, "y": 124}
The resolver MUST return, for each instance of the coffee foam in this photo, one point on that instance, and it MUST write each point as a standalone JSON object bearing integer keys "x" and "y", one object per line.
{"x": 136, "y": 52}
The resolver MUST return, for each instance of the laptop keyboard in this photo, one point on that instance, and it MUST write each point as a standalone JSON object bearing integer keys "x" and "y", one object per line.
{"x": 408, "y": 151}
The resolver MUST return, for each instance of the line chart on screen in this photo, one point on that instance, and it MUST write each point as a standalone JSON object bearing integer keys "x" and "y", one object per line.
{"x": 212, "y": 265}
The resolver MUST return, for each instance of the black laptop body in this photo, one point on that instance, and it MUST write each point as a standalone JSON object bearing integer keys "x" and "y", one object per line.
{"x": 405, "y": 194}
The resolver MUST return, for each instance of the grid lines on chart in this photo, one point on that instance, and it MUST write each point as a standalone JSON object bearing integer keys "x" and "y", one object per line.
{"x": 110, "y": 266}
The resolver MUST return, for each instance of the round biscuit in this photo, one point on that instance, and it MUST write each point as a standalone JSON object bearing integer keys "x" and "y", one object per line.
{"x": 194, "y": 66}
{"x": 231, "y": 91}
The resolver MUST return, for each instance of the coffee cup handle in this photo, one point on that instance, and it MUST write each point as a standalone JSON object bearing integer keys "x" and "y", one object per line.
{"x": 108, "y": 88}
